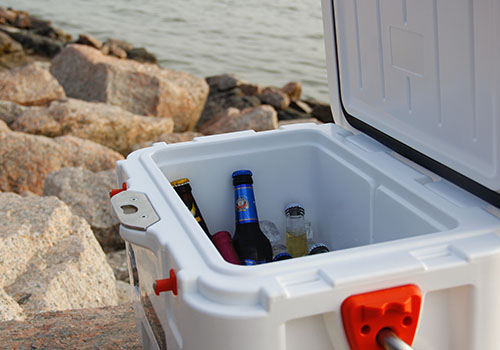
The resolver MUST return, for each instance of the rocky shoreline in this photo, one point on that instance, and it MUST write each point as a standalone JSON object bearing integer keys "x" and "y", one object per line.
{"x": 69, "y": 109}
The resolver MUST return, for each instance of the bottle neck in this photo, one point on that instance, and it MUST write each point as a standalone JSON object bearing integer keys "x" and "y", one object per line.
{"x": 245, "y": 209}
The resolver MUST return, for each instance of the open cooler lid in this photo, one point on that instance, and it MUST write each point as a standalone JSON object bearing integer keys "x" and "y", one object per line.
{"x": 421, "y": 76}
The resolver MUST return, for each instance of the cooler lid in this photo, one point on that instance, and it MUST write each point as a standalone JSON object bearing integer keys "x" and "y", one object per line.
{"x": 425, "y": 74}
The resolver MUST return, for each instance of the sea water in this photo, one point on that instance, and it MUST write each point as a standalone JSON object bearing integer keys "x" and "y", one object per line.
{"x": 264, "y": 42}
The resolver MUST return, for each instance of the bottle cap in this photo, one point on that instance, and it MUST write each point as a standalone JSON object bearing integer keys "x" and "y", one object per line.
{"x": 282, "y": 256}
{"x": 294, "y": 206}
{"x": 318, "y": 248}
{"x": 179, "y": 182}
{"x": 242, "y": 172}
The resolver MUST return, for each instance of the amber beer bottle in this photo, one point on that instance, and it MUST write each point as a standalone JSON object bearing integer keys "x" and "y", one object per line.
{"x": 250, "y": 243}
{"x": 183, "y": 189}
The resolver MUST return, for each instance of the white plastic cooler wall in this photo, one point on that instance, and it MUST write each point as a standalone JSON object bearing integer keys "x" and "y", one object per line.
{"x": 388, "y": 225}
{"x": 426, "y": 73}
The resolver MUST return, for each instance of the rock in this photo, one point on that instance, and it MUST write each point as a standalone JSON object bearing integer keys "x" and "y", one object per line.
{"x": 35, "y": 43}
{"x": 122, "y": 44}
{"x": 275, "y": 97}
{"x": 301, "y": 106}
{"x": 257, "y": 118}
{"x": 114, "y": 50}
{"x": 105, "y": 124}
{"x": 87, "y": 195}
{"x": 29, "y": 85}
{"x": 143, "y": 89}
{"x": 250, "y": 89}
{"x": 287, "y": 114}
{"x": 321, "y": 111}
{"x": 87, "y": 154}
{"x": 169, "y": 138}
{"x": 87, "y": 39}
{"x": 10, "y": 111}
{"x": 293, "y": 90}
{"x": 27, "y": 194}
{"x": 50, "y": 259}
{"x": 26, "y": 160}
{"x": 14, "y": 59}
{"x": 107, "y": 328}
{"x": 8, "y": 45}
{"x": 9, "y": 308}
{"x": 45, "y": 28}
{"x": 217, "y": 105}
{"x": 299, "y": 121}
{"x": 22, "y": 21}
{"x": 222, "y": 82}
{"x": 4, "y": 127}
{"x": 11, "y": 53}
{"x": 118, "y": 262}
{"x": 123, "y": 291}
{"x": 140, "y": 54}
{"x": 8, "y": 15}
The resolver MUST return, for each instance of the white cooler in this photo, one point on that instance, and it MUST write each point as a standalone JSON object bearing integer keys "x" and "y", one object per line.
{"x": 404, "y": 189}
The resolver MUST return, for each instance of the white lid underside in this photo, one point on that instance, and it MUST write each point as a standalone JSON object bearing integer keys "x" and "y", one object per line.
{"x": 427, "y": 73}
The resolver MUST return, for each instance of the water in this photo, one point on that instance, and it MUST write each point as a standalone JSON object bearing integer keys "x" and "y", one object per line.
{"x": 264, "y": 42}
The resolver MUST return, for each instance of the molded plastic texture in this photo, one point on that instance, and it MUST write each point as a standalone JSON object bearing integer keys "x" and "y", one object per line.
{"x": 365, "y": 315}
{"x": 425, "y": 73}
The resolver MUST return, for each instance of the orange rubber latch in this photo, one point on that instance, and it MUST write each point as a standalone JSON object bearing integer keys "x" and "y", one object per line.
{"x": 365, "y": 315}
{"x": 118, "y": 190}
{"x": 166, "y": 284}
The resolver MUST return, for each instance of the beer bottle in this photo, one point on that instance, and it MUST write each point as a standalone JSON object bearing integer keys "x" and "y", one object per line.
{"x": 280, "y": 252}
{"x": 250, "y": 243}
{"x": 183, "y": 189}
{"x": 223, "y": 242}
{"x": 318, "y": 248}
{"x": 296, "y": 236}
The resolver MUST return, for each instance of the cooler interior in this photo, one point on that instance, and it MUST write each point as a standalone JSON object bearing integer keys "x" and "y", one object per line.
{"x": 353, "y": 195}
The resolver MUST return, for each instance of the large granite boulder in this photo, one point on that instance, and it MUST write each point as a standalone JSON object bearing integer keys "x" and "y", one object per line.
{"x": 118, "y": 261}
{"x": 9, "y": 308}
{"x": 87, "y": 195}
{"x": 4, "y": 127}
{"x": 26, "y": 160}
{"x": 29, "y": 85}
{"x": 10, "y": 111}
{"x": 49, "y": 257}
{"x": 143, "y": 89}
{"x": 258, "y": 118}
{"x": 105, "y": 124}
{"x": 107, "y": 328}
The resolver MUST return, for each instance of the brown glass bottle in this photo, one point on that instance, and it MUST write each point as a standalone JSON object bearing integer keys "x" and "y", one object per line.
{"x": 183, "y": 189}
{"x": 250, "y": 243}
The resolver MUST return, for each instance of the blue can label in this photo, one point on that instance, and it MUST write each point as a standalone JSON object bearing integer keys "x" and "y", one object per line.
{"x": 245, "y": 204}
